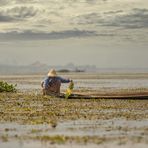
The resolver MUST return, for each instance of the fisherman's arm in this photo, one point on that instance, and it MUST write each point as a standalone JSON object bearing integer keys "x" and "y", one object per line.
{"x": 42, "y": 83}
{"x": 63, "y": 80}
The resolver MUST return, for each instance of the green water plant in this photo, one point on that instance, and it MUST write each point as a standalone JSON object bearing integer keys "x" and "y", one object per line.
{"x": 5, "y": 87}
{"x": 69, "y": 90}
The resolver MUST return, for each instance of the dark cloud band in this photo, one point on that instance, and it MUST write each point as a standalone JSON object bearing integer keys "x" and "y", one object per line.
{"x": 29, "y": 35}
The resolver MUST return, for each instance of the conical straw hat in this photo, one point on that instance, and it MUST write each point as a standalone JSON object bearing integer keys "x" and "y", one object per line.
{"x": 52, "y": 73}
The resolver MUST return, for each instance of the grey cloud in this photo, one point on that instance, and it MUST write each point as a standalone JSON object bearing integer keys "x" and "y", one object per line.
{"x": 138, "y": 18}
{"x": 89, "y": 2}
{"x": 22, "y": 12}
{"x": 86, "y": 1}
{"x": 26, "y": 1}
{"x": 17, "y": 13}
{"x": 141, "y": 11}
{"x": 91, "y": 18}
{"x": 114, "y": 12}
{"x": 94, "y": 1}
{"x": 55, "y": 13}
{"x": 7, "y": 2}
{"x": 5, "y": 18}
{"x": 4, "y": 2}
{"x": 29, "y": 35}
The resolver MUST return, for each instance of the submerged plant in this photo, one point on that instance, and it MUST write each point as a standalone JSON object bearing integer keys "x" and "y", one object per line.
{"x": 5, "y": 87}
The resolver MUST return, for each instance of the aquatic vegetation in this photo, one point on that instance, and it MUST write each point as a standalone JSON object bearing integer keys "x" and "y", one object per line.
{"x": 61, "y": 139}
{"x": 69, "y": 90}
{"x": 5, "y": 87}
{"x": 54, "y": 139}
{"x": 40, "y": 111}
{"x": 28, "y": 116}
{"x": 34, "y": 131}
{"x": 4, "y": 138}
{"x": 32, "y": 109}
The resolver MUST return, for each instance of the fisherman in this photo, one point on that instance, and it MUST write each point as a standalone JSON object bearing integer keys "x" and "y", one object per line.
{"x": 52, "y": 83}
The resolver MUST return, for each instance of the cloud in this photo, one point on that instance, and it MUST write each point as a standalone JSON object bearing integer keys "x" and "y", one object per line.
{"x": 138, "y": 18}
{"x": 5, "y": 18}
{"x": 17, "y": 13}
{"x": 8, "y": 2}
{"x": 91, "y": 18}
{"x": 96, "y": 18}
{"x": 113, "y": 12}
{"x": 23, "y": 12}
{"x": 30, "y": 35}
{"x": 91, "y": 1}
{"x": 86, "y": 1}
{"x": 26, "y": 1}
{"x": 4, "y": 2}
{"x": 94, "y": 1}
{"x": 44, "y": 16}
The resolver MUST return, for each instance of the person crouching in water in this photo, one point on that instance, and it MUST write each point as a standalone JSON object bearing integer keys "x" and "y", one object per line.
{"x": 52, "y": 83}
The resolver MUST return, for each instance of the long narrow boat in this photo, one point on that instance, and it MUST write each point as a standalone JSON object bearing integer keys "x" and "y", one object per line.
{"x": 130, "y": 97}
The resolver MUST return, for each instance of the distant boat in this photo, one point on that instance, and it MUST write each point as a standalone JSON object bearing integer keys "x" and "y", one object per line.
{"x": 67, "y": 70}
{"x": 64, "y": 70}
{"x": 79, "y": 70}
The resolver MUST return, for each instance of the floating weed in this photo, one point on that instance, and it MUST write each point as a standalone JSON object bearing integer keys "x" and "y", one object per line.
{"x": 34, "y": 131}
{"x": 27, "y": 108}
{"x": 53, "y": 139}
{"x": 4, "y": 138}
{"x": 10, "y": 129}
{"x": 5, "y": 87}
{"x": 61, "y": 139}
{"x": 53, "y": 123}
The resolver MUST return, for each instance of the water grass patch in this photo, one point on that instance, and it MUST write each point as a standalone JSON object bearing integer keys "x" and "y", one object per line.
{"x": 5, "y": 87}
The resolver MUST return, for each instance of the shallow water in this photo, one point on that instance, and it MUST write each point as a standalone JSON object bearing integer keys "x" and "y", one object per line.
{"x": 78, "y": 128}
{"x": 38, "y": 144}
{"x": 85, "y": 81}
{"x": 112, "y": 127}
{"x": 102, "y": 128}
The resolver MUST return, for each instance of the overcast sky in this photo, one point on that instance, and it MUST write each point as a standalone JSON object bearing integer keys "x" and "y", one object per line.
{"x": 106, "y": 33}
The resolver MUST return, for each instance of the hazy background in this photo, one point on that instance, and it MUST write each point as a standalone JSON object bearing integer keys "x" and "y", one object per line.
{"x": 105, "y": 33}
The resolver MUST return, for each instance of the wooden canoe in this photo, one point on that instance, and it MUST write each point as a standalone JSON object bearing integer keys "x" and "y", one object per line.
{"x": 129, "y": 97}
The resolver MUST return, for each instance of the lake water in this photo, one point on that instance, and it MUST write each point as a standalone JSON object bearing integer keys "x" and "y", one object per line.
{"x": 86, "y": 81}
